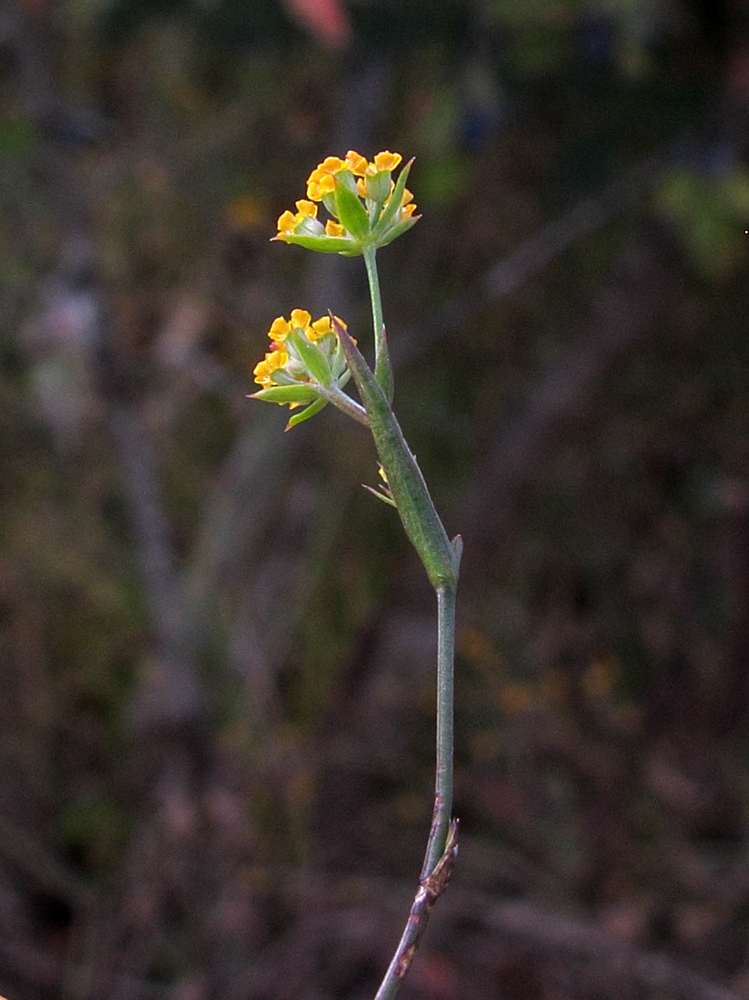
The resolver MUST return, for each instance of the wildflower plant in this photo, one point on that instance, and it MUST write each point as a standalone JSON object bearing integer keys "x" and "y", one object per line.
{"x": 308, "y": 365}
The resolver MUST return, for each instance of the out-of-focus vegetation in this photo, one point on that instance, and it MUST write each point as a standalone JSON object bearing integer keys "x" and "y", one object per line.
{"x": 217, "y": 676}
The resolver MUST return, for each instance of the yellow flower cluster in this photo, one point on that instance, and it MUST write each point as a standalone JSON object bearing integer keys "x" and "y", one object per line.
{"x": 289, "y": 221}
{"x": 278, "y": 357}
{"x": 321, "y": 182}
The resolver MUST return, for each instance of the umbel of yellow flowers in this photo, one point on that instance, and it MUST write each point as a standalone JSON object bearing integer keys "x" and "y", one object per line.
{"x": 367, "y": 207}
{"x": 305, "y": 366}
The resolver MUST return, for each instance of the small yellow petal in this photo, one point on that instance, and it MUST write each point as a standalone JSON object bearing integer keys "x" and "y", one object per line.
{"x": 387, "y": 160}
{"x": 272, "y": 362}
{"x": 261, "y": 372}
{"x": 334, "y": 228}
{"x": 279, "y": 329}
{"x": 331, "y": 165}
{"x": 361, "y": 187}
{"x": 306, "y": 209}
{"x": 320, "y": 328}
{"x": 300, "y": 319}
{"x": 356, "y": 163}
{"x": 407, "y": 197}
{"x": 277, "y": 359}
{"x": 319, "y": 184}
{"x": 286, "y": 222}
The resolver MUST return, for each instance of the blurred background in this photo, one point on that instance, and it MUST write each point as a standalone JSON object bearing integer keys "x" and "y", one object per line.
{"x": 217, "y": 651}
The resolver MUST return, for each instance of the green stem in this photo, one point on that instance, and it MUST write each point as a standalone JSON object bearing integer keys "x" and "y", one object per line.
{"x": 443, "y": 784}
{"x": 442, "y": 847}
{"x": 383, "y": 369}
{"x": 345, "y": 403}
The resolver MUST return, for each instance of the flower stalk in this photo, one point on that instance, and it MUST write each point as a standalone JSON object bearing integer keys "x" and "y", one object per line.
{"x": 383, "y": 369}
{"x": 308, "y": 366}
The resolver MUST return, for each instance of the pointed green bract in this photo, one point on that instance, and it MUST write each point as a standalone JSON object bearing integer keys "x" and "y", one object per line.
{"x": 395, "y": 231}
{"x": 395, "y": 201}
{"x": 306, "y": 413}
{"x": 286, "y": 394}
{"x": 350, "y": 211}
{"x": 317, "y": 366}
{"x": 323, "y": 244}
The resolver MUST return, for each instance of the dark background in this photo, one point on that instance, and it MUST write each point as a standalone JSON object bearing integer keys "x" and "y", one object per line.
{"x": 216, "y": 650}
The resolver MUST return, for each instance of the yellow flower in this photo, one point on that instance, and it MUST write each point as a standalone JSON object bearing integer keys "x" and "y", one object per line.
{"x": 356, "y": 163}
{"x": 322, "y": 327}
{"x": 288, "y": 221}
{"x": 319, "y": 328}
{"x": 331, "y": 165}
{"x": 320, "y": 181}
{"x": 273, "y": 360}
{"x": 306, "y": 208}
{"x": 334, "y": 228}
{"x": 279, "y": 329}
{"x": 300, "y": 319}
{"x": 384, "y": 161}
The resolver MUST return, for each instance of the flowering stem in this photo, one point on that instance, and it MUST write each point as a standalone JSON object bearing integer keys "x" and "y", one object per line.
{"x": 441, "y": 559}
{"x": 442, "y": 848}
{"x": 383, "y": 369}
{"x": 443, "y": 785}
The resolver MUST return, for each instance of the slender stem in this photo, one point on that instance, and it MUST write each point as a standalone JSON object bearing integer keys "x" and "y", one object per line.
{"x": 383, "y": 370}
{"x": 345, "y": 403}
{"x": 443, "y": 784}
{"x": 442, "y": 847}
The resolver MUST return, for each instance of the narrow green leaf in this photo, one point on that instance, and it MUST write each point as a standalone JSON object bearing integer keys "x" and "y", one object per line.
{"x": 286, "y": 394}
{"x": 323, "y": 244}
{"x": 306, "y": 413}
{"x": 395, "y": 231}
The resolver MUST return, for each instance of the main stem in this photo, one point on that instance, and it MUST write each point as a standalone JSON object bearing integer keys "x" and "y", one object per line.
{"x": 442, "y": 845}
{"x": 443, "y": 783}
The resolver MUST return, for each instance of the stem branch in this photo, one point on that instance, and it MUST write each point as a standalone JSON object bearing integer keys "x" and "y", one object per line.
{"x": 383, "y": 369}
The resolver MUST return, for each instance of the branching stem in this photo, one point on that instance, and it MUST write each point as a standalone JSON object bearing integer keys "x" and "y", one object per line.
{"x": 383, "y": 369}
